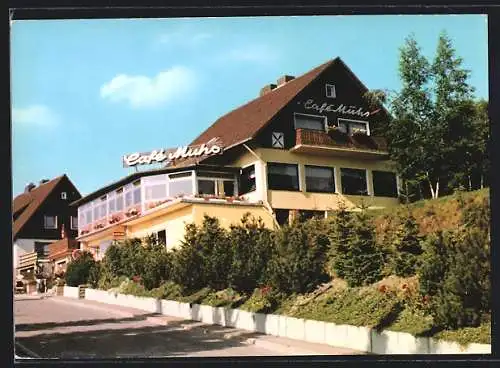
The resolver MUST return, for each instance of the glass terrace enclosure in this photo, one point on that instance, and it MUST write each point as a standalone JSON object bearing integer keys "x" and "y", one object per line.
{"x": 150, "y": 191}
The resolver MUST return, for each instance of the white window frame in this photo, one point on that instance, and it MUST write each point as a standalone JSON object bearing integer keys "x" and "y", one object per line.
{"x": 64, "y": 195}
{"x": 45, "y": 222}
{"x": 325, "y": 127}
{"x": 72, "y": 223}
{"x": 193, "y": 180}
{"x": 332, "y": 88}
{"x": 219, "y": 183}
{"x": 357, "y": 122}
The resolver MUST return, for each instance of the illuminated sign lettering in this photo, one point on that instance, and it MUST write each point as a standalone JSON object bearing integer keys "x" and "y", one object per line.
{"x": 340, "y": 109}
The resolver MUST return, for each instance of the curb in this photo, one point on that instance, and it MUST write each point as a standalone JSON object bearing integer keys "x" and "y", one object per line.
{"x": 96, "y": 307}
{"x": 280, "y": 348}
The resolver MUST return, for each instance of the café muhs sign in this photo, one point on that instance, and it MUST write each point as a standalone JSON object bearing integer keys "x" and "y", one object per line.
{"x": 170, "y": 155}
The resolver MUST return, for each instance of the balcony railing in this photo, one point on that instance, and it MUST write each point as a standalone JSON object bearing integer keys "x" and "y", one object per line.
{"x": 341, "y": 140}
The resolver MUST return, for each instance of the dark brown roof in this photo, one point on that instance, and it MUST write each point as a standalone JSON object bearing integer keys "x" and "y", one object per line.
{"x": 246, "y": 121}
{"x": 28, "y": 203}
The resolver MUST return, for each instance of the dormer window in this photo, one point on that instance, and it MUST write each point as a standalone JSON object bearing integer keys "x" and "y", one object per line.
{"x": 330, "y": 91}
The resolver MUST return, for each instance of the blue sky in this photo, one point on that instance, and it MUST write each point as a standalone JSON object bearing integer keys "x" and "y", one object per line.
{"x": 85, "y": 92}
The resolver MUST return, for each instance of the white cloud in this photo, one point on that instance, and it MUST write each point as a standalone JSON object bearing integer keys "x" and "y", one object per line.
{"x": 250, "y": 53}
{"x": 142, "y": 91}
{"x": 35, "y": 115}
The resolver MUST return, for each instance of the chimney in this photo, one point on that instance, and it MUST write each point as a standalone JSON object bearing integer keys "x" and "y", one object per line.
{"x": 267, "y": 88}
{"x": 43, "y": 181}
{"x": 28, "y": 188}
{"x": 284, "y": 79}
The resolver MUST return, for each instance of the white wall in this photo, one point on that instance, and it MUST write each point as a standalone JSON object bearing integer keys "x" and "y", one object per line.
{"x": 352, "y": 337}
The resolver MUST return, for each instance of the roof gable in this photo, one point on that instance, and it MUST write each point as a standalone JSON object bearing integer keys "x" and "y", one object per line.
{"x": 246, "y": 121}
{"x": 26, "y": 204}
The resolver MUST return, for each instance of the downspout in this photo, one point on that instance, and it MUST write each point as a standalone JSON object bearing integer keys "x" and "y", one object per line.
{"x": 267, "y": 205}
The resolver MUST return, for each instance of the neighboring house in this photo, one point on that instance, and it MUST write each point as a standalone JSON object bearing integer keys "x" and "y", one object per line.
{"x": 60, "y": 253}
{"x": 39, "y": 216}
{"x": 299, "y": 148}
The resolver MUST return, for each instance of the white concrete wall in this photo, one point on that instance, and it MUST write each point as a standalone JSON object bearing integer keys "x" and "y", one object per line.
{"x": 352, "y": 337}
{"x": 70, "y": 292}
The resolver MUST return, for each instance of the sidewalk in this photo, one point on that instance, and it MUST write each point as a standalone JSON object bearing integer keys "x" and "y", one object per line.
{"x": 125, "y": 312}
{"x": 279, "y": 345}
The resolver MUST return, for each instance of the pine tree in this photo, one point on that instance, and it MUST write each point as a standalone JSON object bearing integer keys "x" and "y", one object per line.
{"x": 407, "y": 245}
{"x": 364, "y": 262}
{"x": 339, "y": 252}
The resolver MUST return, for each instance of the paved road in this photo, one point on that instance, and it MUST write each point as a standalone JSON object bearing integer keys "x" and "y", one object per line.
{"x": 57, "y": 327}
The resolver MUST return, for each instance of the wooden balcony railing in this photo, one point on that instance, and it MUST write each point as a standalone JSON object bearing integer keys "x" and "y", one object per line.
{"x": 359, "y": 142}
{"x": 27, "y": 260}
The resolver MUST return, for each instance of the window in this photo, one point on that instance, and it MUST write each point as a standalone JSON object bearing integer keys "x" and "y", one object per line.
{"x": 96, "y": 212}
{"x": 74, "y": 223}
{"x": 311, "y": 122}
{"x": 228, "y": 188}
{"x": 112, "y": 205}
{"x": 282, "y": 176}
{"x": 162, "y": 237}
{"x": 180, "y": 184}
{"x": 50, "y": 222}
{"x": 128, "y": 199}
{"x": 102, "y": 210}
{"x": 320, "y": 179}
{"x": 278, "y": 140}
{"x": 354, "y": 181}
{"x": 88, "y": 216}
{"x": 351, "y": 126}
{"x": 156, "y": 192}
{"x": 82, "y": 218}
{"x": 385, "y": 184}
{"x": 247, "y": 179}
{"x": 64, "y": 195}
{"x": 330, "y": 91}
{"x": 282, "y": 216}
{"x": 206, "y": 186}
{"x": 119, "y": 200}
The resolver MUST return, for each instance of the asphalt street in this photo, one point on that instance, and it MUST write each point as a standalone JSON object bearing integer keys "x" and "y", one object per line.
{"x": 56, "y": 327}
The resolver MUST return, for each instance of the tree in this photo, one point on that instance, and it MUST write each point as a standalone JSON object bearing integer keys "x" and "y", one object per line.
{"x": 298, "y": 260}
{"x": 251, "y": 244}
{"x": 339, "y": 240}
{"x": 430, "y": 133}
{"x": 81, "y": 270}
{"x": 407, "y": 246}
{"x": 363, "y": 262}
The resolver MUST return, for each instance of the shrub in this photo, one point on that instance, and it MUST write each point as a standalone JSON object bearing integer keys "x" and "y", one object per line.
{"x": 251, "y": 250}
{"x": 80, "y": 270}
{"x": 263, "y": 300}
{"x": 362, "y": 260}
{"x": 339, "y": 238}
{"x": 204, "y": 257}
{"x": 167, "y": 290}
{"x": 407, "y": 245}
{"x": 298, "y": 258}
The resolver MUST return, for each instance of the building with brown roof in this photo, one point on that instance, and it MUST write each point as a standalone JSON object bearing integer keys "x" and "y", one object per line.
{"x": 300, "y": 147}
{"x": 40, "y": 214}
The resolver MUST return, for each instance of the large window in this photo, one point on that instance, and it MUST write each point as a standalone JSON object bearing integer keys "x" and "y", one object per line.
{"x": 320, "y": 179}
{"x": 221, "y": 184}
{"x": 119, "y": 200}
{"x": 155, "y": 187}
{"x": 354, "y": 181}
{"x": 88, "y": 215}
{"x": 247, "y": 179}
{"x": 311, "y": 122}
{"x": 282, "y": 216}
{"x": 180, "y": 184}
{"x": 385, "y": 184}
{"x": 352, "y": 126}
{"x": 282, "y": 176}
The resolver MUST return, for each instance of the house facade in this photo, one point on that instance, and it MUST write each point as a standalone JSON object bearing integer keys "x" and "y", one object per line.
{"x": 301, "y": 147}
{"x": 41, "y": 215}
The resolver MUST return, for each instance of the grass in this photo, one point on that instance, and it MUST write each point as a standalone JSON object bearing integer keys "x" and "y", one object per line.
{"x": 467, "y": 335}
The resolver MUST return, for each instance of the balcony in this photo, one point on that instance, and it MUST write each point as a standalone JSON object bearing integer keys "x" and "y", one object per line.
{"x": 30, "y": 260}
{"x": 340, "y": 144}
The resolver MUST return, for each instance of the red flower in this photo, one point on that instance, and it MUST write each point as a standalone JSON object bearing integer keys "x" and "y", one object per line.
{"x": 382, "y": 288}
